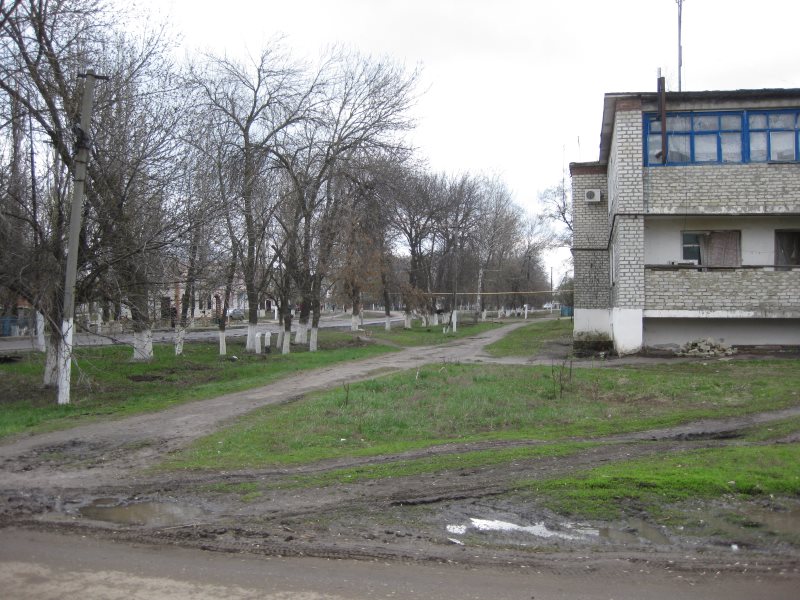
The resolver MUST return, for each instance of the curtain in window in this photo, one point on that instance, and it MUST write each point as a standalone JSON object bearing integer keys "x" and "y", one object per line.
{"x": 787, "y": 248}
{"x": 720, "y": 249}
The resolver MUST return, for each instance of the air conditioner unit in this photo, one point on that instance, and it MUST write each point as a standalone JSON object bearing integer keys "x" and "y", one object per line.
{"x": 592, "y": 196}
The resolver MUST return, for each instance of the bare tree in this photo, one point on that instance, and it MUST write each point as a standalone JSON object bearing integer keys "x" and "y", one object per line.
{"x": 557, "y": 204}
{"x": 256, "y": 103}
{"x": 360, "y": 107}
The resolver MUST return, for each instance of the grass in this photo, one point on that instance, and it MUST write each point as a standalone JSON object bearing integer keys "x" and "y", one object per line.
{"x": 446, "y": 403}
{"x": 529, "y": 340}
{"x": 437, "y": 464}
{"x": 428, "y": 336}
{"x": 106, "y": 383}
{"x": 648, "y": 485}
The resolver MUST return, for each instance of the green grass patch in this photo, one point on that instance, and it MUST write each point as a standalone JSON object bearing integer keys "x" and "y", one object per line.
{"x": 650, "y": 485}
{"x": 106, "y": 383}
{"x": 445, "y": 403}
{"x": 529, "y": 340}
{"x": 428, "y": 336}
{"x": 436, "y": 464}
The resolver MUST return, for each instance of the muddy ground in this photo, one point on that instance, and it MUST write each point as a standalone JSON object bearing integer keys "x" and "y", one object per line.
{"x": 95, "y": 480}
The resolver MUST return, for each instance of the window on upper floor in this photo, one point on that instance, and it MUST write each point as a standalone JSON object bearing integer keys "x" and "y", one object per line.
{"x": 787, "y": 248}
{"x": 723, "y": 137}
{"x": 712, "y": 248}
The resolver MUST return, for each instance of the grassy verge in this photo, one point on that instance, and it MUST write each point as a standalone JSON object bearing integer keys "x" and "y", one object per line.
{"x": 444, "y": 403}
{"x": 428, "y": 336}
{"x": 650, "y": 485}
{"x": 437, "y": 464}
{"x": 106, "y": 382}
{"x": 528, "y": 340}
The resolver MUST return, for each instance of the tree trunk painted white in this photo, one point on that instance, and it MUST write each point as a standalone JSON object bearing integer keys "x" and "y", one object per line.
{"x": 313, "y": 344}
{"x": 279, "y": 341}
{"x": 301, "y": 335}
{"x": 526, "y": 312}
{"x": 479, "y": 299}
{"x": 223, "y": 349}
{"x": 434, "y": 318}
{"x": 52, "y": 353}
{"x": 275, "y": 312}
{"x": 287, "y": 343}
{"x": 258, "y": 343}
{"x": 40, "y": 343}
{"x": 251, "y": 337}
{"x": 483, "y": 315}
{"x": 65, "y": 362}
{"x": 180, "y": 334}
{"x": 455, "y": 321}
{"x": 407, "y": 321}
{"x": 267, "y": 340}
{"x": 354, "y": 323}
{"x": 388, "y": 323}
{"x": 143, "y": 345}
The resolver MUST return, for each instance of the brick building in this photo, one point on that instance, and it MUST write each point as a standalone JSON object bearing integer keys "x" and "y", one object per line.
{"x": 688, "y": 226}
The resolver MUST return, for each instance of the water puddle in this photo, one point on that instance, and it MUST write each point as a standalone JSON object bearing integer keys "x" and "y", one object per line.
{"x": 153, "y": 514}
{"x": 636, "y": 532}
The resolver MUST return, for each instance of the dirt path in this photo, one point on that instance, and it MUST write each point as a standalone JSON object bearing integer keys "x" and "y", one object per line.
{"x": 90, "y": 479}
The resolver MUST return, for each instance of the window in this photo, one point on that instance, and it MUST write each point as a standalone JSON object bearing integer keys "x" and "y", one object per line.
{"x": 787, "y": 248}
{"x": 712, "y": 248}
{"x": 724, "y": 137}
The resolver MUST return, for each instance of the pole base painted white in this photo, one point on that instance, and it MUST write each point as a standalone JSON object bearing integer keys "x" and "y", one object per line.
{"x": 223, "y": 349}
{"x": 65, "y": 362}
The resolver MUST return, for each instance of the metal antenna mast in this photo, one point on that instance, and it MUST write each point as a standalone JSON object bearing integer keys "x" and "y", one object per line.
{"x": 680, "y": 47}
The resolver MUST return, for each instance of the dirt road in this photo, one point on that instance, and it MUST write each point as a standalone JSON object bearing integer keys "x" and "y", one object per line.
{"x": 92, "y": 482}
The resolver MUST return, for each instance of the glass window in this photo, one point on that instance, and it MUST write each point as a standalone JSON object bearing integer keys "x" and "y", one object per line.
{"x": 787, "y": 248}
{"x": 725, "y": 136}
{"x": 691, "y": 247}
{"x": 758, "y": 121}
{"x": 679, "y": 123}
{"x": 758, "y": 145}
{"x": 678, "y": 148}
{"x": 731, "y": 122}
{"x": 731, "y": 147}
{"x": 781, "y": 121}
{"x": 706, "y": 123}
{"x": 705, "y": 148}
{"x": 654, "y": 149}
{"x": 781, "y": 145}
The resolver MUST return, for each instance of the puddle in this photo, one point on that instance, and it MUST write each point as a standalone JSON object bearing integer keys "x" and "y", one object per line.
{"x": 538, "y": 529}
{"x": 781, "y": 521}
{"x": 153, "y": 514}
{"x": 638, "y": 531}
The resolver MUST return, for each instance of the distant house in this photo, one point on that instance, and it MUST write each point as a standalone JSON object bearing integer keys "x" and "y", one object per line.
{"x": 688, "y": 225}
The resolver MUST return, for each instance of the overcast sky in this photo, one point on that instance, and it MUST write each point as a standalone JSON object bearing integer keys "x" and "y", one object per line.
{"x": 515, "y": 87}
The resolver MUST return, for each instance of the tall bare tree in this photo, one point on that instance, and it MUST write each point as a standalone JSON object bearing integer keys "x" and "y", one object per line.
{"x": 257, "y": 102}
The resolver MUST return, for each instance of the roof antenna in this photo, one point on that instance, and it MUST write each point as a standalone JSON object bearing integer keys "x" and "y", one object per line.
{"x": 680, "y": 47}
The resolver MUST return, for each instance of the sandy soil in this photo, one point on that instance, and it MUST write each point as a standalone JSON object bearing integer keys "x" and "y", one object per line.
{"x": 93, "y": 480}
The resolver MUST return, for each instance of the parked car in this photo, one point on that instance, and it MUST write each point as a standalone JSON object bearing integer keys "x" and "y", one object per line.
{"x": 236, "y": 314}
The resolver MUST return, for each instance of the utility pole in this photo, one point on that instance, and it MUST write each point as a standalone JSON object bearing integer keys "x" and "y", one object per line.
{"x": 680, "y": 47}
{"x": 82, "y": 143}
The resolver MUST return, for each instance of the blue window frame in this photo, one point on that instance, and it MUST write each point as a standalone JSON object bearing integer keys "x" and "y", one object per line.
{"x": 724, "y": 137}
